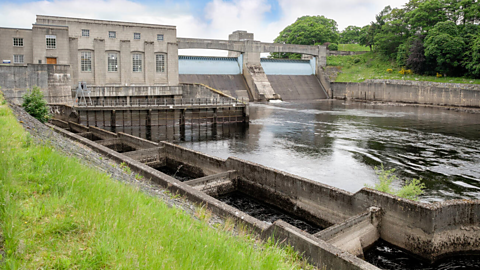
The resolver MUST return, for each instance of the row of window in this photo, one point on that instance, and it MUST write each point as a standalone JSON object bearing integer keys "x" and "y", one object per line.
{"x": 51, "y": 40}
{"x": 113, "y": 34}
{"x": 112, "y": 62}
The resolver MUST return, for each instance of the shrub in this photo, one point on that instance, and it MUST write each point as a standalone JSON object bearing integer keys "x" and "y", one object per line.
{"x": 35, "y": 105}
{"x": 2, "y": 99}
{"x": 333, "y": 47}
{"x": 411, "y": 190}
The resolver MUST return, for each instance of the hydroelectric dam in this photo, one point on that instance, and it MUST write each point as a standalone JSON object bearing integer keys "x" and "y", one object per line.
{"x": 296, "y": 170}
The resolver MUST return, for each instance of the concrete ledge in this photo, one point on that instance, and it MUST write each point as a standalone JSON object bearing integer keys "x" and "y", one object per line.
{"x": 147, "y": 155}
{"x": 136, "y": 142}
{"x": 355, "y": 234}
{"x": 208, "y": 164}
{"x": 59, "y": 123}
{"x": 229, "y": 175}
{"x": 103, "y": 134}
{"x": 78, "y": 128}
{"x": 109, "y": 142}
{"x": 217, "y": 188}
{"x": 316, "y": 251}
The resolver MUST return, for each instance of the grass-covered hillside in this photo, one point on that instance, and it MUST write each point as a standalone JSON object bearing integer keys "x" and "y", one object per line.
{"x": 371, "y": 65}
{"x": 353, "y": 48}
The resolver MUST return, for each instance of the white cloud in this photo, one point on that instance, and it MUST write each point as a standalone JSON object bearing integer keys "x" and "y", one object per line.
{"x": 219, "y": 17}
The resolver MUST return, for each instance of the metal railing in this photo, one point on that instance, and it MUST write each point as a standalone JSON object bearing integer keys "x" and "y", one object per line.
{"x": 161, "y": 102}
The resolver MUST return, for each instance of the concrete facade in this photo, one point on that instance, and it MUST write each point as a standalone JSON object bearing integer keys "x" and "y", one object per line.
{"x": 108, "y": 48}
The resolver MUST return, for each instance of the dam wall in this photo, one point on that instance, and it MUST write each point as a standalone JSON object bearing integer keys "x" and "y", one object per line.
{"x": 430, "y": 93}
{"x": 297, "y": 87}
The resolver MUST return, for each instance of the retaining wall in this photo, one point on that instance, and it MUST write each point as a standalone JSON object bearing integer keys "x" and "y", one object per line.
{"x": 443, "y": 94}
{"x": 53, "y": 80}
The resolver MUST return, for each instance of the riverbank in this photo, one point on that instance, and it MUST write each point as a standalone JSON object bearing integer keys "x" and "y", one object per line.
{"x": 358, "y": 68}
{"x": 60, "y": 211}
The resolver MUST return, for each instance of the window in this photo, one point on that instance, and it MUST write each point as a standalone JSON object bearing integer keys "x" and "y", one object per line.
{"x": 18, "y": 42}
{"x": 112, "y": 62}
{"x": 136, "y": 35}
{"x": 160, "y": 37}
{"x": 86, "y": 61}
{"x": 137, "y": 62}
{"x": 85, "y": 33}
{"x": 18, "y": 58}
{"x": 160, "y": 63}
{"x": 51, "y": 41}
{"x": 112, "y": 34}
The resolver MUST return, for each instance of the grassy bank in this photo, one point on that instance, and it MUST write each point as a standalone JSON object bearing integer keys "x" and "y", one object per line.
{"x": 357, "y": 68}
{"x": 353, "y": 48}
{"x": 56, "y": 213}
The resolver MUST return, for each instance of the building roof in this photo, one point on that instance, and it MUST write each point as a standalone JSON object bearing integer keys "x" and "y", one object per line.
{"x": 82, "y": 20}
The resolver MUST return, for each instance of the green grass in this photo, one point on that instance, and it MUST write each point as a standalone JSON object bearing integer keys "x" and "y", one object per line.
{"x": 55, "y": 213}
{"x": 357, "y": 68}
{"x": 353, "y": 48}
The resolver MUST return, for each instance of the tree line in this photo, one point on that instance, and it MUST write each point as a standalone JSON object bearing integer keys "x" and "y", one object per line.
{"x": 426, "y": 36}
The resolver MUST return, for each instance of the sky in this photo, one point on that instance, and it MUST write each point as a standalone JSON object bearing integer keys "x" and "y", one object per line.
{"x": 214, "y": 19}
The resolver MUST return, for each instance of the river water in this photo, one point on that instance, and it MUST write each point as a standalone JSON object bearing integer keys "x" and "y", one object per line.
{"x": 339, "y": 143}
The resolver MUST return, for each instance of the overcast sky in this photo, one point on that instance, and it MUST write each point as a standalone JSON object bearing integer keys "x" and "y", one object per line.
{"x": 203, "y": 19}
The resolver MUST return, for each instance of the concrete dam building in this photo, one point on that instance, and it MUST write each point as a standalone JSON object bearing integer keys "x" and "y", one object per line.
{"x": 59, "y": 52}
{"x": 99, "y": 52}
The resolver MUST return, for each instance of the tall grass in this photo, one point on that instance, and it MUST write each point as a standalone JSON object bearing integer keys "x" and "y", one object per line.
{"x": 371, "y": 65}
{"x": 353, "y": 48}
{"x": 55, "y": 213}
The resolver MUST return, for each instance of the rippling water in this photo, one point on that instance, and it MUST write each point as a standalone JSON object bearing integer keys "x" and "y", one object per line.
{"x": 387, "y": 256}
{"x": 339, "y": 143}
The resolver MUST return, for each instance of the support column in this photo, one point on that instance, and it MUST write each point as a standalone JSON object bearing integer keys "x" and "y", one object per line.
{"x": 125, "y": 62}
{"x": 148, "y": 124}
{"x": 319, "y": 70}
{"x": 149, "y": 63}
{"x": 182, "y": 124}
{"x": 113, "y": 120}
{"x": 172, "y": 64}
{"x": 73, "y": 46}
{"x": 100, "y": 61}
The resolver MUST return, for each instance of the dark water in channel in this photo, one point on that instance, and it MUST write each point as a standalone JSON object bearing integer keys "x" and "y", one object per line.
{"x": 386, "y": 256}
{"x": 264, "y": 212}
{"x": 339, "y": 143}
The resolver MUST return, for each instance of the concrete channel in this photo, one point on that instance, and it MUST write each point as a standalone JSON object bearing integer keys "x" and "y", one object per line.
{"x": 346, "y": 224}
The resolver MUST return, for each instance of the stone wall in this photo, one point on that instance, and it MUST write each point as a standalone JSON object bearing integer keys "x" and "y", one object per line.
{"x": 444, "y": 94}
{"x": 53, "y": 80}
